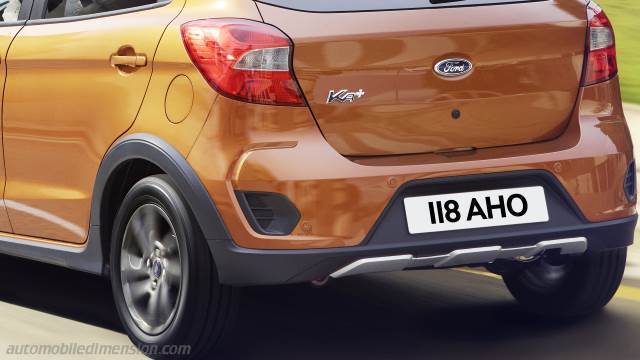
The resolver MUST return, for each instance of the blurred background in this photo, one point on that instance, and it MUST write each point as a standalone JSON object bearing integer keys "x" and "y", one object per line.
{"x": 625, "y": 15}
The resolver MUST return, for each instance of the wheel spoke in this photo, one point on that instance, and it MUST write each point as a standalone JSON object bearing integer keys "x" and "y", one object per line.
{"x": 173, "y": 274}
{"x": 165, "y": 305}
{"x": 131, "y": 259}
{"x": 139, "y": 290}
{"x": 170, "y": 244}
{"x": 152, "y": 220}
{"x": 140, "y": 234}
{"x": 136, "y": 274}
{"x": 152, "y": 305}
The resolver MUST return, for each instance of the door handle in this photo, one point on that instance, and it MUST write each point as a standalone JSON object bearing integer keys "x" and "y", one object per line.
{"x": 131, "y": 61}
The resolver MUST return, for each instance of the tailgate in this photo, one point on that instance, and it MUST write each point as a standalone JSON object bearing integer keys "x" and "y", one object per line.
{"x": 436, "y": 78}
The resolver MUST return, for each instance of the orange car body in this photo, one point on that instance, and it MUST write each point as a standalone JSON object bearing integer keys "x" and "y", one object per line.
{"x": 78, "y": 125}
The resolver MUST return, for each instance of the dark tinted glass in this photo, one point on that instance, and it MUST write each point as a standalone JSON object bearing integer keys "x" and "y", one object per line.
{"x": 66, "y": 8}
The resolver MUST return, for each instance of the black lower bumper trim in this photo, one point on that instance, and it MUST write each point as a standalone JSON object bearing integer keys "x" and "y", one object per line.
{"x": 240, "y": 266}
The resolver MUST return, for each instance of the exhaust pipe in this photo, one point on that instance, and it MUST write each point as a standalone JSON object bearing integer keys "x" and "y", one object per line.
{"x": 321, "y": 282}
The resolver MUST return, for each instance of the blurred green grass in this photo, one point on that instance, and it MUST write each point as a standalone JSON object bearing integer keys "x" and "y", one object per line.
{"x": 625, "y": 15}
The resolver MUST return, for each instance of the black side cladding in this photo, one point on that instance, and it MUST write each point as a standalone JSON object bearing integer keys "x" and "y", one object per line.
{"x": 331, "y": 6}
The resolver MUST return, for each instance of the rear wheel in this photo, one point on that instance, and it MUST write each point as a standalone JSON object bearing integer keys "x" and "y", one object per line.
{"x": 567, "y": 286}
{"x": 163, "y": 277}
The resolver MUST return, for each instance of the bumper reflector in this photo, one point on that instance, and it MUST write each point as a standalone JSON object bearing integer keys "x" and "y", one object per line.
{"x": 269, "y": 213}
{"x": 630, "y": 182}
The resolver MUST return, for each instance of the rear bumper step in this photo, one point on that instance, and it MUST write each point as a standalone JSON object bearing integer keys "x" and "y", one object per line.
{"x": 482, "y": 255}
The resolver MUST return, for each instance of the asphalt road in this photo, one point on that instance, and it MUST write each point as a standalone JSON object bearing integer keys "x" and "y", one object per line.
{"x": 412, "y": 315}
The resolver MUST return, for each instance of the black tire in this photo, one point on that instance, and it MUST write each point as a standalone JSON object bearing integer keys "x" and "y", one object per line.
{"x": 566, "y": 287}
{"x": 202, "y": 308}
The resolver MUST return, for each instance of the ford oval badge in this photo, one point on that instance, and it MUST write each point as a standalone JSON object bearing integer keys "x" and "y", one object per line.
{"x": 453, "y": 67}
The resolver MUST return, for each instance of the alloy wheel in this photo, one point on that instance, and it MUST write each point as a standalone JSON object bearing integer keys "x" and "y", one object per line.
{"x": 151, "y": 269}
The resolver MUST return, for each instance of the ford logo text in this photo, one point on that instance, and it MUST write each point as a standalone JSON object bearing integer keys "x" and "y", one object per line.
{"x": 453, "y": 67}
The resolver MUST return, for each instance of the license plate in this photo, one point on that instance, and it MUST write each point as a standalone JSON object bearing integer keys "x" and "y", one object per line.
{"x": 478, "y": 209}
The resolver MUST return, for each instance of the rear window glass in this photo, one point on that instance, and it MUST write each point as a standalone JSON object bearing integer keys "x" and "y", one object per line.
{"x": 379, "y": 5}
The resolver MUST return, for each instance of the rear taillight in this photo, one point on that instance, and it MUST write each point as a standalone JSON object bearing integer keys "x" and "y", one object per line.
{"x": 601, "y": 64}
{"x": 244, "y": 60}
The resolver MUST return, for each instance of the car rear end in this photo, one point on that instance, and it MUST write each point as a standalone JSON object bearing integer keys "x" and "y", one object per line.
{"x": 363, "y": 136}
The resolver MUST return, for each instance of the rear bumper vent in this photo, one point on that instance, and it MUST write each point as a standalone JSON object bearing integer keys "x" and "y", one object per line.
{"x": 269, "y": 213}
{"x": 630, "y": 187}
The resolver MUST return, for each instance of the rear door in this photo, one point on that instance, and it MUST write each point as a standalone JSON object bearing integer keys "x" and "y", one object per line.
{"x": 13, "y": 16}
{"x": 76, "y": 79}
{"x": 401, "y": 77}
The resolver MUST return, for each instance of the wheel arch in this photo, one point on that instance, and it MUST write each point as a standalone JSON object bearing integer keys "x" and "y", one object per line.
{"x": 133, "y": 158}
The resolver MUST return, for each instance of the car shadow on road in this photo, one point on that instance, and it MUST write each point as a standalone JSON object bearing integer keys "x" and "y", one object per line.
{"x": 446, "y": 315}
{"x": 388, "y": 316}
{"x": 58, "y": 291}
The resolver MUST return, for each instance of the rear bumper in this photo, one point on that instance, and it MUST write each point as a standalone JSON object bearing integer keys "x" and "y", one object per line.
{"x": 351, "y": 208}
{"x": 240, "y": 266}
{"x": 389, "y": 246}
{"x": 339, "y": 200}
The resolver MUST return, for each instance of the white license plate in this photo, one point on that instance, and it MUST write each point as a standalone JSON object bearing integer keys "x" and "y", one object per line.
{"x": 478, "y": 209}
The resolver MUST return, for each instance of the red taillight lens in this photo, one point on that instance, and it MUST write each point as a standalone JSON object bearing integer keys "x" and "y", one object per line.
{"x": 243, "y": 59}
{"x": 601, "y": 60}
